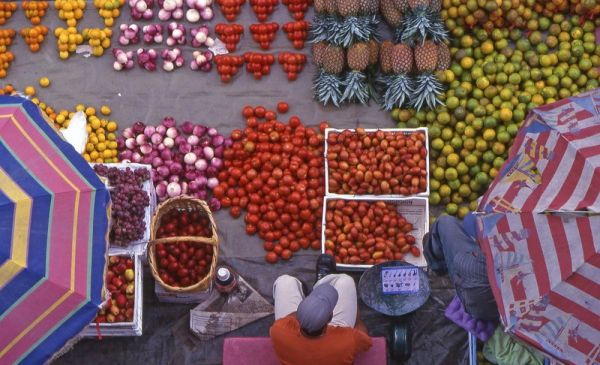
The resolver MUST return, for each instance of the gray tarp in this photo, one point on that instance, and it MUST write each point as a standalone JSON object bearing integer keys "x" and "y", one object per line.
{"x": 183, "y": 94}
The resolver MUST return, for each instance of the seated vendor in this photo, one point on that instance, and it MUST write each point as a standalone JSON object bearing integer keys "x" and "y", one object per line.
{"x": 323, "y": 328}
{"x": 451, "y": 247}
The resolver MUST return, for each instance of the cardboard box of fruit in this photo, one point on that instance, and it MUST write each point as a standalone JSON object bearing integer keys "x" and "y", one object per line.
{"x": 138, "y": 245}
{"x": 388, "y": 162}
{"x": 122, "y": 313}
{"x": 363, "y": 231}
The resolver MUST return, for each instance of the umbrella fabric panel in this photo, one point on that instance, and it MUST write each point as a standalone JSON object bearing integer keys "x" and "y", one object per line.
{"x": 544, "y": 270}
{"x": 554, "y": 163}
{"x": 62, "y": 206}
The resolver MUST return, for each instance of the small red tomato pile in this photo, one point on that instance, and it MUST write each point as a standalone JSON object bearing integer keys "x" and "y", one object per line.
{"x": 296, "y": 32}
{"x": 183, "y": 264}
{"x": 297, "y": 8}
{"x": 228, "y": 66}
{"x": 264, "y": 33}
{"x": 258, "y": 64}
{"x": 119, "y": 280}
{"x": 274, "y": 171}
{"x": 230, "y": 34}
{"x": 263, "y": 8}
{"x": 365, "y": 232}
{"x": 292, "y": 64}
{"x": 378, "y": 162}
{"x": 230, "y": 8}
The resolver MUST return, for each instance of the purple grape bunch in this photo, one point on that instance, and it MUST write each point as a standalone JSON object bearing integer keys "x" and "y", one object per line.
{"x": 129, "y": 202}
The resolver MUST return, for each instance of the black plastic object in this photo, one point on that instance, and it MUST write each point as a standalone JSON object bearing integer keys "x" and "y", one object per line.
{"x": 400, "y": 340}
{"x": 371, "y": 293}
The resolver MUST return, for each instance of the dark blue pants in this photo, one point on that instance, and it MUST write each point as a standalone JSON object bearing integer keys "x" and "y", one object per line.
{"x": 450, "y": 249}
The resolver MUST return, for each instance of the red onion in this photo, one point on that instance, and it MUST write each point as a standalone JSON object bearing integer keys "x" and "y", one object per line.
{"x": 173, "y": 189}
{"x": 173, "y": 178}
{"x": 208, "y": 152}
{"x": 184, "y": 148}
{"x": 190, "y": 175}
{"x": 228, "y": 142}
{"x": 217, "y": 140}
{"x": 219, "y": 151}
{"x": 130, "y": 143}
{"x": 211, "y": 171}
{"x": 136, "y": 157}
{"x": 216, "y": 163}
{"x": 149, "y": 130}
{"x": 175, "y": 168}
{"x": 214, "y": 204}
{"x": 212, "y": 132}
{"x": 140, "y": 139}
{"x": 125, "y": 155}
{"x": 212, "y": 182}
{"x": 202, "y": 194}
{"x": 168, "y": 163}
{"x": 201, "y": 164}
{"x": 156, "y": 138}
{"x": 184, "y": 188}
{"x": 168, "y": 142}
{"x": 187, "y": 127}
{"x": 145, "y": 149}
{"x": 190, "y": 158}
{"x": 154, "y": 153}
{"x": 172, "y": 132}
{"x": 199, "y": 130}
{"x": 138, "y": 127}
{"x": 163, "y": 171}
{"x": 156, "y": 161}
{"x": 201, "y": 181}
{"x": 166, "y": 154}
{"x": 128, "y": 133}
{"x": 161, "y": 189}
{"x": 193, "y": 140}
{"x": 204, "y": 141}
{"x": 169, "y": 122}
{"x": 161, "y": 129}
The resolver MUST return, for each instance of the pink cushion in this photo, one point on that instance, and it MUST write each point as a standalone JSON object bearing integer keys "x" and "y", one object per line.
{"x": 259, "y": 351}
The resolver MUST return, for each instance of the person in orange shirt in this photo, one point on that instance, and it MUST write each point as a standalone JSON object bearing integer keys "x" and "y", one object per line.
{"x": 325, "y": 327}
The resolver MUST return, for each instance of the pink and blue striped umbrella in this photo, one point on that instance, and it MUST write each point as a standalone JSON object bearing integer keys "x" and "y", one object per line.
{"x": 53, "y": 228}
{"x": 538, "y": 226}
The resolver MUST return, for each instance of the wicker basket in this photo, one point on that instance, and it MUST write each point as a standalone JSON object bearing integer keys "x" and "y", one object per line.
{"x": 189, "y": 204}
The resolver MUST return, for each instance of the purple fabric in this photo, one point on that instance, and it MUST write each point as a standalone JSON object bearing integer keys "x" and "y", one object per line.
{"x": 455, "y": 312}
{"x": 259, "y": 351}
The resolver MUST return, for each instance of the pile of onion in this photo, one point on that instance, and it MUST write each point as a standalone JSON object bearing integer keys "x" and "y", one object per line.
{"x": 185, "y": 159}
{"x": 274, "y": 171}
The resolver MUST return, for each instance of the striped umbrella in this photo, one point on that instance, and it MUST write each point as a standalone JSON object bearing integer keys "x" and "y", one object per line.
{"x": 536, "y": 227}
{"x": 53, "y": 227}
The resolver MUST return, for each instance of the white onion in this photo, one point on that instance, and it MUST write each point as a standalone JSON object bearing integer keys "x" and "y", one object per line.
{"x": 190, "y": 158}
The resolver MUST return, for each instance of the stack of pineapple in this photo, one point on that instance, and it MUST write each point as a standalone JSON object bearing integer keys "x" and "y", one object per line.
{"x": 409, "y": 67}
{"x": 345, "y": 50}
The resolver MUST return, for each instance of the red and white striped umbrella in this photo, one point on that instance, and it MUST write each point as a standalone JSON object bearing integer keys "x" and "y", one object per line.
{"x": 537, "y": 225}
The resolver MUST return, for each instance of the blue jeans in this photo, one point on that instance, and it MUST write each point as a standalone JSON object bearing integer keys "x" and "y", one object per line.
{"x": 450, "y": 249}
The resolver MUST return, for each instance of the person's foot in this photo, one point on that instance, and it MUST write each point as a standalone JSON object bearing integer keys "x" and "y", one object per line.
{"x": 325, "y": 266}
{"x": 435, "y": 263}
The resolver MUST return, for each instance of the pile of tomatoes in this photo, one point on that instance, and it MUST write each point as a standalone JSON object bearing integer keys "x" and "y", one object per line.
{"x": 297, "y": 8}
{"x": 230, "y": 34}
{"x": 230, "y": 8}
{"x": 258, "y": 64}
{"x": 264, "y": 33}
{"x": 183, "y": 263}
{"x": 296, "y": 32}
{"x": 274, "y": 172}
{"x": 366, "y": 232}
{"x": 228, "y": 66}
{"x": 292, "y": 64}
{"x": 263, "y": 8}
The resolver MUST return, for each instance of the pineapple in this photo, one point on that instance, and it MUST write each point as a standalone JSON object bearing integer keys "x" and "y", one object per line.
{"x": 373, "y": 52}
{"x": 318, "y": 50}
{"x": 348, "y": 8}
{"x": 426, "y": 56}
{"x": 401, "y": 5}
{"x": 369, "y": 7}
{"x": 398, "y": 87}
{"x": 427, "y": 87}
{"x": 358, "y": 56}
{"x": 330, "y": 6}
{"x": 333, "y": 59}
{"x": 320, "y": 6}
{"x": 416, "y": 4}
{"x": 435, "y": 5}
{"x": 355, "y": 84}
{"x": 444, "y": 57}
{"x": 390, "y": 13}
{"x": 385, "y": 57}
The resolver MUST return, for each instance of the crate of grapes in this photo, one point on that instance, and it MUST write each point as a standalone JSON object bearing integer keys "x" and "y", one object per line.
{"x": 133, "y": 203}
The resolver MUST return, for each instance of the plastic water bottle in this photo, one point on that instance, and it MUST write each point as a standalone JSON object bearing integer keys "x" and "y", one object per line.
{"x": 225, "y": 281}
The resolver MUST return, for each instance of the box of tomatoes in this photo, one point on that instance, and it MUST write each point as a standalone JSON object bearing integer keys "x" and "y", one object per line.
{"x": 363, "y": 231}
{"x": 121, "y": 314}
{"x": 387, "y": 163}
